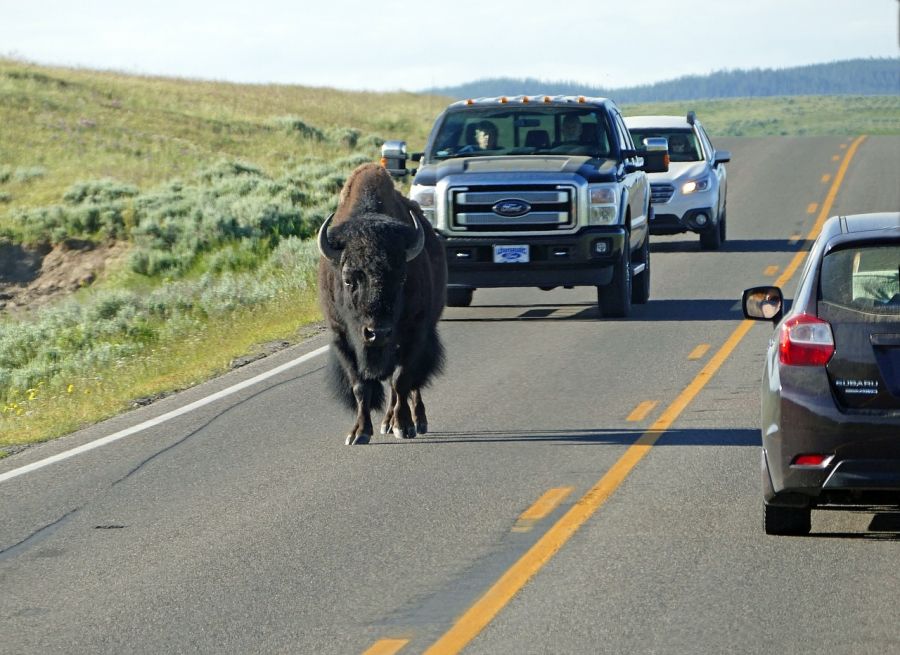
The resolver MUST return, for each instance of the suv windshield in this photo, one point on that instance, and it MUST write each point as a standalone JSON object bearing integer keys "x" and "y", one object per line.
{"x": 683, "y": 145}
{"x": 521, "y": 131}
{"x": 866, "y": 279}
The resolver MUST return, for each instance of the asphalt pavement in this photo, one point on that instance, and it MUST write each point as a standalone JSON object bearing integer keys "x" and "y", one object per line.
{"x": 622, "y": 455}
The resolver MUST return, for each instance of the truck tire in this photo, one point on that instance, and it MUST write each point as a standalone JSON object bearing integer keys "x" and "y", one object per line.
{"x": 457, "y": 297}
{"x": 640, "y": 284}
{"x": 614, "y": 299}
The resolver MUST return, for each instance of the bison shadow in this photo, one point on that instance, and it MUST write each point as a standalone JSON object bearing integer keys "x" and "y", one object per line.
{"x": 743, "y": 437}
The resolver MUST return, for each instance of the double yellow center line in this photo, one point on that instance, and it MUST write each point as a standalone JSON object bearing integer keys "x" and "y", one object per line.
{"x": 483, "y": 611}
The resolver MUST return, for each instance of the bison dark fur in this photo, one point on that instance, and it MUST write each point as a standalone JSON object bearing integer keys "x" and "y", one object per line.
{"x": 382, "y": 287}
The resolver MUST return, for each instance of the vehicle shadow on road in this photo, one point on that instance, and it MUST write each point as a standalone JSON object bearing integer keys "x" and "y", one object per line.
{"x": 615, "y": 437}
{"x": 884, "y": 526}
{"x": 681, "y": 309}
{"x": 732, "y": 245}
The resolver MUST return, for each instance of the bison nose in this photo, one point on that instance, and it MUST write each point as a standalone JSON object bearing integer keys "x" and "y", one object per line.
{"x": 373, "y": 335}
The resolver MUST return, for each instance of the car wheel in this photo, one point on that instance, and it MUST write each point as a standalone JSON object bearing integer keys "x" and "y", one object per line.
{"x": 457, "y": 297}
{"x": 722, "y": 224}
{"x": 788, "y": 520}
{"x": 711, "y": 239}
{"x": 640, "y": 285}
{"x": 614, "y": 299}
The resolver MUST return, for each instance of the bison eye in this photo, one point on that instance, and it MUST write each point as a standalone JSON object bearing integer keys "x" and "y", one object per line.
{"x": 349, "y": 282}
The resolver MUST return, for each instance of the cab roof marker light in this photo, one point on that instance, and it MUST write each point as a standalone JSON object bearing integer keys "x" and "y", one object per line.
{"x": 581, "y": 99}
{"x": 470, "y": 101}
{"x": 547, "y": 99}
{"x": 503, "y": 100}
{"x": 525, "y": 100}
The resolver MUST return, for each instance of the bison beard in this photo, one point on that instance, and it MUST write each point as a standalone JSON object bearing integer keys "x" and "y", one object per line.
{"x": 382, "y": 286}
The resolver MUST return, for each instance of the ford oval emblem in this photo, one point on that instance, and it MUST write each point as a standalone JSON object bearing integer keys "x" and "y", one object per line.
{"x": 511, "y": 208}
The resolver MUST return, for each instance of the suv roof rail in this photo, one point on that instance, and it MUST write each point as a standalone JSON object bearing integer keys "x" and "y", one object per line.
{"x": 691, "y": 117}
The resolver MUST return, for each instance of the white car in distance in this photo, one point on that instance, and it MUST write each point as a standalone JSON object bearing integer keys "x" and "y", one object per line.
{"x": 692, "y": 195}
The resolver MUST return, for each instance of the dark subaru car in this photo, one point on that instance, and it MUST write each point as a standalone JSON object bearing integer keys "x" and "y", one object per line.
{"x": 831, "y": 384}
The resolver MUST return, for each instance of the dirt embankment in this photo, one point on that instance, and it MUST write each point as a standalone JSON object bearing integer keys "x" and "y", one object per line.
{"x": 31, "y": 276}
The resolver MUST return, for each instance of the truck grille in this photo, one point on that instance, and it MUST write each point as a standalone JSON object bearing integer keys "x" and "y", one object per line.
{"x": 541, "y": 208}
{"x": 660, "y": 193}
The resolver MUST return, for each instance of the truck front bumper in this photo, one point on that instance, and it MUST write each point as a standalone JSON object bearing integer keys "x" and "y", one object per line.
{"x": 564, "y": 260}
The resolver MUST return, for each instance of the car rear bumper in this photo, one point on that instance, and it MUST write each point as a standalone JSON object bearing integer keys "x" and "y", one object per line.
{"x": 864, "y": 448}
{"x": 565, "y": 260}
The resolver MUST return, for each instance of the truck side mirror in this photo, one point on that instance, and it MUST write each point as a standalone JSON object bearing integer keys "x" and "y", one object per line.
{"x": 393, "y": 158}
{"x": 656, "y": 154}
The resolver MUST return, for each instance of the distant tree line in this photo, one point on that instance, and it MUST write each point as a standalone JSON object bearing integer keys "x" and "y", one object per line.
{"x": 874, "y": 76}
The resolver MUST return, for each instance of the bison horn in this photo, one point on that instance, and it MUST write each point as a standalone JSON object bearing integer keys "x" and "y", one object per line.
{"x": 327, "y": 250}
{"x": 413, "y": 251}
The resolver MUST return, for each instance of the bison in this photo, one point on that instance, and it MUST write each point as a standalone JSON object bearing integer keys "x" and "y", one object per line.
{"x": 382, "y": 287}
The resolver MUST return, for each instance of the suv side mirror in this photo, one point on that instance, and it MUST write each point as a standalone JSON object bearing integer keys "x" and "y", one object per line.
{"x": 763, "y": 304}
{"x": 393, "y": 158}
{"x": 721, "y": 157}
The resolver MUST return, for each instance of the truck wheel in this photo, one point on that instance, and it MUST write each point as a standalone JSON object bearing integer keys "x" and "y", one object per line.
{"x": 711, "y": 239}
{"x": 640, "y": 285}
{"x": 457, "y": 297}
{"x": 614, "y": 300}
{"x": 787, "y": 520}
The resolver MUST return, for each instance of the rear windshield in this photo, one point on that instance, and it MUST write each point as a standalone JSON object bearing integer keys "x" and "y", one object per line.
{"x": 683, "y": 144}
{"x": 866, "y": 279}
{"x": 521, "y": 131}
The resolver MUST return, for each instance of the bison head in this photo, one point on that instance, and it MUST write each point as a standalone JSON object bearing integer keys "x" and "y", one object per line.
{"x": 368, "y": 258}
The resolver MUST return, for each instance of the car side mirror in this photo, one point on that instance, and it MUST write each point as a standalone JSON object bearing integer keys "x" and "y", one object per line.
{"x": 763, "y": 304}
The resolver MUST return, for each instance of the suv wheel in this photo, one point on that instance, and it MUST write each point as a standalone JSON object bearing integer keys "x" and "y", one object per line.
{"x": 722, "y": 218}
{"x": 640, "y": 285}
{"x": 457, "y": 297}
{"x": 787, "y": 520}
{"x": 614, "y": 300}
{"x": 711, "y": 239}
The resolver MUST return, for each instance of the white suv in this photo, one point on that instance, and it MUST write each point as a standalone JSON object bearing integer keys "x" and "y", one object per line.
{"x": 691, "y": 196}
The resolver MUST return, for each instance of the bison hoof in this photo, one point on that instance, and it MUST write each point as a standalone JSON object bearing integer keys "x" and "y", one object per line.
{"x": 358, "y": 440}
{"x": 385, "y": 428}
{"x": 405, "y": 433}
{"x": 422, "y": 427}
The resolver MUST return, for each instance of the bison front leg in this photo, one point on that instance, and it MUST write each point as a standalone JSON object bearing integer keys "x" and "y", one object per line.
{"x": 362, "y": 429}
{"x": 403, "y": 426}
{"x": 387, "y": 423}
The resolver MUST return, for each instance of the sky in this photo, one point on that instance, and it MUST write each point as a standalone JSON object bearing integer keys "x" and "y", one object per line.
{"x": 389, "y": 45}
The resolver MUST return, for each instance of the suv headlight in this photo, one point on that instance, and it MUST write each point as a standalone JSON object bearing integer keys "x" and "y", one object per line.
{"x": 424, "y": 195}
{"x": 693, "y": 186}
{"x": 602, "y": 208}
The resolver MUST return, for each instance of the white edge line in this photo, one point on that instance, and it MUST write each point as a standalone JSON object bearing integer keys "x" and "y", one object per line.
{"x": 121, "y": 434}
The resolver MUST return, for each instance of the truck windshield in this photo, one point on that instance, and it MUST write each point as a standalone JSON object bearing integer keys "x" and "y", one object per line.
{"x": 521, "y": 131}
{"x": 683, "y": 145}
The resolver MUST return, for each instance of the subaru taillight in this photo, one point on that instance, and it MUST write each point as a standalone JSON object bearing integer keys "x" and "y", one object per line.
{"x": 805, "y": 341}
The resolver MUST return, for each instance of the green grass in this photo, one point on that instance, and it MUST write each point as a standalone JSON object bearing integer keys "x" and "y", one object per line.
{"x": 213, "y": 187}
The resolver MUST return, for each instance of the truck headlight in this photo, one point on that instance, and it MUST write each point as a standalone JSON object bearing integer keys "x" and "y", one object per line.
{"x": 424, "y": 195}
{"x": 602, "y": 208}
{"x": 695, "y": 185}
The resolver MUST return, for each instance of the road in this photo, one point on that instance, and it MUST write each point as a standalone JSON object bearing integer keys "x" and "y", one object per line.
{"x": 246, "y": 526}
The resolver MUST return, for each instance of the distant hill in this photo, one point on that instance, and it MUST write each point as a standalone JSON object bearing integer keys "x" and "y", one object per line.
{"x": 852, "y": 77}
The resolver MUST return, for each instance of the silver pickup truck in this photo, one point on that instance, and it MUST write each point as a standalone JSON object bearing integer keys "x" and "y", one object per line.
{"x": 538, "y": 191}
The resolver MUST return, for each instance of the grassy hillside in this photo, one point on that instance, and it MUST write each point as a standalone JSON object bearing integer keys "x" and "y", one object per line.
{"x": 211, "y": 191}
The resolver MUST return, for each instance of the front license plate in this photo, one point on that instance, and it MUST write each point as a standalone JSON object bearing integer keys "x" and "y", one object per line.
{"x": 511, "y": 254}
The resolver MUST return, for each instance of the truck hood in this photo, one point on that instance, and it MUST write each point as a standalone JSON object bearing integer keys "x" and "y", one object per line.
{"x": 591, "y": 169}
{"x": 680, "y": 172}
